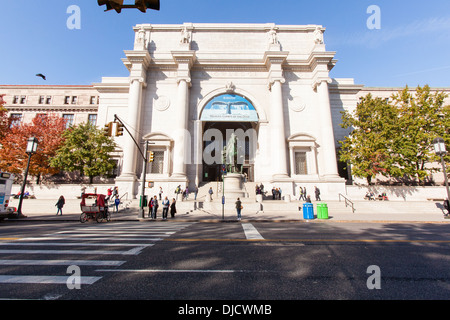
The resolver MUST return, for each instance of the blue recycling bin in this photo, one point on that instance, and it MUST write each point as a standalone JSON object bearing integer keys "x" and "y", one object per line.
{"x": 308, "y": 211}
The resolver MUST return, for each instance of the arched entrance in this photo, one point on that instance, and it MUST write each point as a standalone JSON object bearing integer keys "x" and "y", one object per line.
{"x": 223, "y": 116}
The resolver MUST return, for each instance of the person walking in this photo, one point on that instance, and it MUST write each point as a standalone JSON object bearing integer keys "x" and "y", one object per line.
{"x": 238, "y": 208}
{"x": 195, "y": 193}
{"x": 301, "y": 194}
{"x": 173, "y": 208}
{"x": 116, "y": 203}
{"x": 154, "y": 207}
{"x": 210, "y": 191}
{"x": 317, "y": 193}
{"x": 446, "y": 207}
{"x": 165, "y": 204}
{"x": 160, "y": 192}
{"x": 150, "y": 207}
{"x": 60, "y": 204}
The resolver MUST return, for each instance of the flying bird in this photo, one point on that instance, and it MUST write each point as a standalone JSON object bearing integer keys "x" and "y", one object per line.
{"x": 41, "y": 75}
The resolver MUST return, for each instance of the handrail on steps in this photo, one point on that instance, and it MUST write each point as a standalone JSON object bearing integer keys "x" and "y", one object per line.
{"x": 348, "y": 202}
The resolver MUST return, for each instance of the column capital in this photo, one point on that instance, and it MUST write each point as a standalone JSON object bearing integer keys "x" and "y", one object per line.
{"x": 185, "y": 58}
{"x": 318, "y": 81}
{"x": 137, "y": 57}
{"x": 274, "y": 61}
{"x": 274, "y": 78}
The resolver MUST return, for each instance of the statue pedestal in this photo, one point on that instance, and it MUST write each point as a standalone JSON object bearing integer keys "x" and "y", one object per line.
{"x": 233, "y": 186}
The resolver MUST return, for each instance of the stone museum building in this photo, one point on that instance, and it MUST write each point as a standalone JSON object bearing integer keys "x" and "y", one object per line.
{"x": 192, "y": 87}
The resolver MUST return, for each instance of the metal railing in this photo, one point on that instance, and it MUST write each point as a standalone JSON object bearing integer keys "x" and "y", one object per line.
{"x": 348, "y": 202}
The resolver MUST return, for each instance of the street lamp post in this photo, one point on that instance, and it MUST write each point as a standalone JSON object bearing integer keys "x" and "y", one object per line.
{"x": 32, "y": 144}
{"x": 439, "y": 148}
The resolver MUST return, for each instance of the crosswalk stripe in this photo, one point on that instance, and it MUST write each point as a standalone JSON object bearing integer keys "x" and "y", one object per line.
{"x": 44, "y": 279}
{"x": 134, "y": 251}
{"x": 251, "y": 232}
{"x": 117, "y": 235}
{"x": 123, "y": 233}
{"x": 85, "y": 238}
{"x": 69, "y": 244}
{"x": 60, "y": 263}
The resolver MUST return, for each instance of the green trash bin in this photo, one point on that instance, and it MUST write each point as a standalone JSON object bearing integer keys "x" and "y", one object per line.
{"x": 145, "y": 201}
{"x": 322, "y": 211}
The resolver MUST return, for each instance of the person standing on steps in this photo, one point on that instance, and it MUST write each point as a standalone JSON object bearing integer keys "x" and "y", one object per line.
{"x": 210, "y": 191}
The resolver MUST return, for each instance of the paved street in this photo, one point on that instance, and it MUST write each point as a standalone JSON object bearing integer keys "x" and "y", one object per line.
{"x": 223, "y": 261}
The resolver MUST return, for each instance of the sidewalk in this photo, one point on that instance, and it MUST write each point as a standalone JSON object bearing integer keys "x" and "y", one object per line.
{"x": 419, "y": 212}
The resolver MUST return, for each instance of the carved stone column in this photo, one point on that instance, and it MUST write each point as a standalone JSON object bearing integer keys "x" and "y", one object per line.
{"x": 328, "y": 149}
{"x": 278, "y": 150}
{"x": 185, "y": 60}
{"x": 137, "y": 62}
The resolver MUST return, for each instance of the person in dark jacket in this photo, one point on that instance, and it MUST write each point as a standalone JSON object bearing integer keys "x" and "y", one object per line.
{"x": 60, "y": 204}
{"x": 446, "y": 207}
{"x": 238, "y": 208}
{"x": 173, "y": 209}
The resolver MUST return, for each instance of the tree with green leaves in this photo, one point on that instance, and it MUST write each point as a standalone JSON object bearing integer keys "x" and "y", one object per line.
{"x": 85, "y": 149}
{"x": 394, "y": 138}
{"x": 421, "y": 118}
{"x": 367, "y": 147}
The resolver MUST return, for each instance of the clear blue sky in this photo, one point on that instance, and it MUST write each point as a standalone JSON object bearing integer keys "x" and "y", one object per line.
{"x": 412, "y": 46}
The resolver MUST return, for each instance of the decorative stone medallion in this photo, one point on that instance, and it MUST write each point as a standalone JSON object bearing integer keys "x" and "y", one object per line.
{"x": 297, "y": 104}
{"x": 162, "y": 103}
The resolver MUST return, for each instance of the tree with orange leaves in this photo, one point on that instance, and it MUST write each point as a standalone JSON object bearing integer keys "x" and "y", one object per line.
{"x": 48, "y": 129}
{"x": 4, "y": 121}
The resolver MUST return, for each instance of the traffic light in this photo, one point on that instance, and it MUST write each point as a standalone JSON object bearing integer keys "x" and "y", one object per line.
{"x": 152, "y": 154}
{"x": 144, "y": 4}
{"x": 112, "y": 4}
{"x": 118, "y": 5}
{"x": 119, "y": 129}
{"x": 107, "y": 130}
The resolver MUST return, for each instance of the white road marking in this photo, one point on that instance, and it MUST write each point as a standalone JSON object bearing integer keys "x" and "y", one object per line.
{"x": 44, "y": 279}
{"x": 69, "y": 244}
{"x": 84, "y": 239}
{"x": 134, "y": 251}
{"x": 179, "y": 271}
{"x": 250, "y": 232}
{"x": 61, "y": 263}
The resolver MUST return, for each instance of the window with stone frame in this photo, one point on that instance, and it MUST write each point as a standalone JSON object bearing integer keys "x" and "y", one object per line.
{"x": 157, "y": 166}
{"x": 301, "y": 167}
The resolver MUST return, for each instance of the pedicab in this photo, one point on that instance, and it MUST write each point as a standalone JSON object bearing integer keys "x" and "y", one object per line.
{"x": 94, "y": 207}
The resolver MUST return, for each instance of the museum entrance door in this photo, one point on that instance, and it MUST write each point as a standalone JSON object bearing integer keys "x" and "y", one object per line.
{"x": 216, "y": 139}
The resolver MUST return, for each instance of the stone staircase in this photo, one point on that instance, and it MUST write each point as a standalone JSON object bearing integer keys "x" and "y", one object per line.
{"x": 250, "y": 204}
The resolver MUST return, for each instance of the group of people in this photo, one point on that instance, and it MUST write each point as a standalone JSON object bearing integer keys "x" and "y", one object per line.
{"x": 185, "y": 192}
{"x": 153, "y": 207}
{"x": 114, "y": 194}
{"x": 370, "y": 196}
{"x": 305, "y": 197}
{"x": 276, "y": 193}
